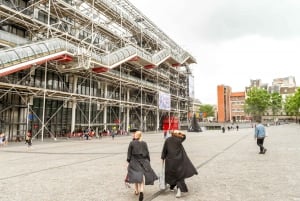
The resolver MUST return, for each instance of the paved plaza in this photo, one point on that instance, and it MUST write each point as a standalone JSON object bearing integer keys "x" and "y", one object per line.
{"x": 229, "y": 168}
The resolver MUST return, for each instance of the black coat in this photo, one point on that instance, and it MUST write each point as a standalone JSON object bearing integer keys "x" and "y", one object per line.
{"x": 139, "y": 163}
{"x": 177, "y": 164}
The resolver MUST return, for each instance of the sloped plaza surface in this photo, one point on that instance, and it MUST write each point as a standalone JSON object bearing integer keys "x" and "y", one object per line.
{"x": 228, "y": 164}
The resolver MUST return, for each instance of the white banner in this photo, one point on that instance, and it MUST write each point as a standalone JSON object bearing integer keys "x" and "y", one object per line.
{"x": 164, "y": 102}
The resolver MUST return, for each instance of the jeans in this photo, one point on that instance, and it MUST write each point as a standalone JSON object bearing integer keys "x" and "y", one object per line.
{"x": 260, "y": 143}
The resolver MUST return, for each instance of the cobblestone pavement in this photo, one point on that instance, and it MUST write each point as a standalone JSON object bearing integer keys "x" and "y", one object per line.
{"x": 229, "y": 167}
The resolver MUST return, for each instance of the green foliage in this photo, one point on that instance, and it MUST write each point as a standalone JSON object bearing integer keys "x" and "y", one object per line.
{"x": 208, "y": 110}
{"x": 276, "y": 102}
{"x": 257, "y": 102}
{"x": 292, "y": 104}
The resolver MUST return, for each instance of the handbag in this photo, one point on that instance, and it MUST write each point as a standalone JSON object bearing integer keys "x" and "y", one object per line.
{"x": 162, "y": 183}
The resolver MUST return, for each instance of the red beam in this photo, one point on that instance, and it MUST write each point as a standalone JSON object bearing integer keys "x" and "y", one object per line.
{"x": 100, "y": 69}
{"x": 149, "y": 66}
{"x": 176, "y": 65}
{"x": 64, "y": 58}
{"x": 29, "y": 65}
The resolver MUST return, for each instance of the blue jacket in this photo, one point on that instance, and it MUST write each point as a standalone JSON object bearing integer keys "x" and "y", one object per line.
{"x": 260, "y": 131}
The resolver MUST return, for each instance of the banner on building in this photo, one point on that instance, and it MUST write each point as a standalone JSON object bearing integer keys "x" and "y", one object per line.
{"x": 164, "y": 101}
{"x": 191, "y": 87}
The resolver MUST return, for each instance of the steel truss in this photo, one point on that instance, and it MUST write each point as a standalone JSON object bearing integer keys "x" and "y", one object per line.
{"x": 109, "y": 73}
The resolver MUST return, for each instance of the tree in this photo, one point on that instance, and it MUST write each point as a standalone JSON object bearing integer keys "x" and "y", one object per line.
{"x": 207, "y": 109}
{"x": 257, "y": 102}
{"x": 276, "y": 102}
{"x": 292, "y": 104}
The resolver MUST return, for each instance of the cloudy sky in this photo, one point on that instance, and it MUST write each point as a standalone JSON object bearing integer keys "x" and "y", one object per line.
{"x": 233, "y": 41}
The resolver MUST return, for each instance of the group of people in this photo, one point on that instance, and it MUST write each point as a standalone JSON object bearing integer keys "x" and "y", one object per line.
{"x": 28, "y": 139}
{"x": 177, "y": 164}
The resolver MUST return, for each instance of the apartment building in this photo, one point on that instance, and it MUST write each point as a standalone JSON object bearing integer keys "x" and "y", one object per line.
{"x": 231, "y": 104}
{"x": 237, "y": 101}
{"x": 224, "y": 107}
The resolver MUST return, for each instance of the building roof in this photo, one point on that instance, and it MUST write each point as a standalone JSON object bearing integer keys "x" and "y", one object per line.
{"x": 235, "y": 94}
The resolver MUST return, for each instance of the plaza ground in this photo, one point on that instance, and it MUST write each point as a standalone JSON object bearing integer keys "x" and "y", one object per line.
{"x": 229, "y": 168}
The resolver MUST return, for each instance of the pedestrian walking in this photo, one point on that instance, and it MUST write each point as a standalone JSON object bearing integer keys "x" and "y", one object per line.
{"x": 113, "y": 134}
{"x": 2, "y": 139}
{"x": 139, "y": 169}
{"x": 178, "y": 166}
{"x": 28, "y": 139}
{"x": 260, "y": 134}
{"x": 165, "y": 134}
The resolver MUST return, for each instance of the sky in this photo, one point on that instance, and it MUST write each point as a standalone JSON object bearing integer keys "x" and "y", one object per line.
{"x": 233, "y": 41}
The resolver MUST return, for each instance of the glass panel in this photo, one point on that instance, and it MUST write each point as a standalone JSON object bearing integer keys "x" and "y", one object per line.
{"x": 12, "y": 55}
{"x": 4, "y": 58}
{"x": 43, "y": 47}
{"x": 36, "y": 48}
{"x": 22, "y": 54}
{"x": 55, "y": 44}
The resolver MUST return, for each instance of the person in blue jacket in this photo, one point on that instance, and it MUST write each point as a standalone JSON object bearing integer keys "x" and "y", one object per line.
{"x": 260, "y": 134}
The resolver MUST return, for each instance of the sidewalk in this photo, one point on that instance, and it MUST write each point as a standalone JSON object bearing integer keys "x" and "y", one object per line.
{"x": 229, "y": 167}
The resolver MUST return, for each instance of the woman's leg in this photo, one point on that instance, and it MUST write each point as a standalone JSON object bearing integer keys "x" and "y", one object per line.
{"x": 136, "y": 189}
{"x": 182, "y": 186}
{"x": 141, "y": 189}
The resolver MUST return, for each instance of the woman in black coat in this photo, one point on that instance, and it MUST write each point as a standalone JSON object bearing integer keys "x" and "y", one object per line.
{"x": 140, "y": 171}
{"x": 177, "y": 164}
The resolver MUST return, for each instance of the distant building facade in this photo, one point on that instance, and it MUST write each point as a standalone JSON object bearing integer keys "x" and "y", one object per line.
{"x": 230, "y": 104}
{"x": 195, "y": 109}
{"x": 237, "y": 101}
{"x": 285, "y": 82}
{"x": 224, "y": 109}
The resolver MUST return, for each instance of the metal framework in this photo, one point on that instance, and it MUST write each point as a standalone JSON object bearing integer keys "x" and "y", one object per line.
{"x": 70, "y": 65}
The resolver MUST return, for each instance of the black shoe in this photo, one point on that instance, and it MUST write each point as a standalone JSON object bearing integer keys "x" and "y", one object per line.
{"x": 261, "y": 152}
{"x": 265, "y": 150}
{"x": 141, "y": 196}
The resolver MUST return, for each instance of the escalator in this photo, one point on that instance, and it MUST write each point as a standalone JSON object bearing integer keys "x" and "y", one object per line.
{"x": 25, "y": 56}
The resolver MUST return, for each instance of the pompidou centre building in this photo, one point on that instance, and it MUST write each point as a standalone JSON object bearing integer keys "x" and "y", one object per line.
{"x": 69, "y": 65}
